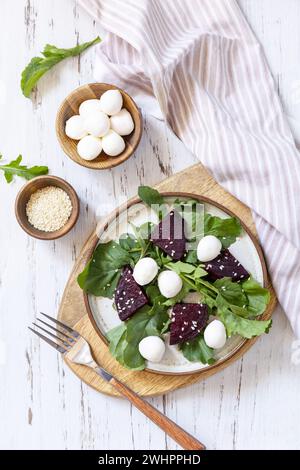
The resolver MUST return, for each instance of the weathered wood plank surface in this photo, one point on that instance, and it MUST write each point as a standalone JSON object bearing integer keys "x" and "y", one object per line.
{"x": 254, "y": 403}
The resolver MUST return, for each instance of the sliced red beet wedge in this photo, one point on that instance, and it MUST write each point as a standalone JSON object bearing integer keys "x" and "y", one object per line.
{"x": 169, "y": 235}
{"x": 129, "y": 296}
{"x": 187, "y": 321}
{"x": 226, "y": 265}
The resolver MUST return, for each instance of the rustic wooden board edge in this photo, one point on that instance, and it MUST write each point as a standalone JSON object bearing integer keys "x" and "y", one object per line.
{"x": 147, "y": 383}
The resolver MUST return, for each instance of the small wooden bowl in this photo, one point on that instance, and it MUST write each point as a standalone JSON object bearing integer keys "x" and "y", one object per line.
{"x": 70, "y": 106}
{"x": 24, "y": 195}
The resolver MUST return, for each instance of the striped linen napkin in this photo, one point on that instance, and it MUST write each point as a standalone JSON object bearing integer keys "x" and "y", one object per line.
{"x": 198, "y": 65}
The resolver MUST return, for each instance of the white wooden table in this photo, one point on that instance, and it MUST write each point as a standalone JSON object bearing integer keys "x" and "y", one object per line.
{"x": 252, "y": 404}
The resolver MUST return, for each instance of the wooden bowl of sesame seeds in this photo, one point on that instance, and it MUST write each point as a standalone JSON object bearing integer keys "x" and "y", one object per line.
{"x": 47, "y": 207}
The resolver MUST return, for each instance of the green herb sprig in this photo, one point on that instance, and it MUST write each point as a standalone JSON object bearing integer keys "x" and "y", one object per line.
{"x": 38, "y": 66}
{"x": 15, "y": 168}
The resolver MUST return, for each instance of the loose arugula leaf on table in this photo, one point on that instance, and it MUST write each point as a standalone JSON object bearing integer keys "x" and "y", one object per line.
{"x": 102, "y": 273}
{"x": 15, "y": 168}
{"x": 196, "y": 350}
{"x": 227, "y": 230}
{"x": 38, "y": 66}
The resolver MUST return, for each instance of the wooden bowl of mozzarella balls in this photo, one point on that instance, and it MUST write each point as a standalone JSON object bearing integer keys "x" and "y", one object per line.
{"x": 99, "y": 126}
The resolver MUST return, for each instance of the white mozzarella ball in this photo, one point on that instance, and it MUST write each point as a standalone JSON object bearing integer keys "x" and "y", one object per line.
{"x": 169, "y": 284}
{"x": 122, "y": 122}
{"x": 215, "y": 334}
{"x": 111, "y": 102}
{"x": 152, "y": 348}
{"x": 89, "y": 106}
{"x": 97, "y": 123}
{"x": 145, "y": 271}
{"x": 208, "y": 248}
{"x": 113, "y": 144}
{"x": 75, "y": 128}
{"x": 89, "y": 147}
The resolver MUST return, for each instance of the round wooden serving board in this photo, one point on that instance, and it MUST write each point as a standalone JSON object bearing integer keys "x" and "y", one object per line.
{"x": 73, "y": 311}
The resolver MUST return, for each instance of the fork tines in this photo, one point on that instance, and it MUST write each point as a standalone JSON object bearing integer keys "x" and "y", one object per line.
{"x": 64, "y": 339}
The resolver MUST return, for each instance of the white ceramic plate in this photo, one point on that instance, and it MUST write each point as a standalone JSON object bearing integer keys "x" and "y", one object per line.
{"x": 106, "y": 317}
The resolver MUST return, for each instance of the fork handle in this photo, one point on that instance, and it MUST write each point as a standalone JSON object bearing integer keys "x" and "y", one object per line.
{"x": 183, "y": 438}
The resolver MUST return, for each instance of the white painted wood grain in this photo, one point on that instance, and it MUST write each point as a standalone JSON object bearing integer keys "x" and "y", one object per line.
{"x": 252, "y": 404}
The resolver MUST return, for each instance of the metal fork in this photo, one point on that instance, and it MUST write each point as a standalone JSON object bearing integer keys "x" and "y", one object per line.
{"x": 76, "y": 349}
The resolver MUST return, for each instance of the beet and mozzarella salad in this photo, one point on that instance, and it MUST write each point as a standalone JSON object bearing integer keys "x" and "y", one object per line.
{"x": 175, "y": 284}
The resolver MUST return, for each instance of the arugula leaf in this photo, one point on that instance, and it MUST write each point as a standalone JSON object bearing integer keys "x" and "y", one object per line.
{"x": 192, "y": 212}
{"x": 117, "y": 342}
{"x": 232, "y": 292}
{"x": 196, "y": 350}
{"x": 15, "y": 168}
{"x": 155, "y": 298}
{"x": 38, "y": 66}
{"x": 181, "y": 267}
{"x": 124, "y": 339}
{"x": 248, "y": 299}
{"x": 225, "y": 229}
{"x": 102, "y": 273}
{"x": 258, "y": 296}
{"x": 191, "y": 257}
{"x": 235, "y": 324}
{"x": 150, "y": 196}
{"x": 180, "y": 296}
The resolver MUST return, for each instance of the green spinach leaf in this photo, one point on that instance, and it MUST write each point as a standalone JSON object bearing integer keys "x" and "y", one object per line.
{"x": 124, "y": 339}
{"x": 196, "y": 350}
{"x": 150, "y": 196}
{"x": 227, "y": 230}
{"x": 102, "y": 273}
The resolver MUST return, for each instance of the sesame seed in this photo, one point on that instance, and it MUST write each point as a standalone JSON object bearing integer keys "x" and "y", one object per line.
{"x": 49, "y": 208}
